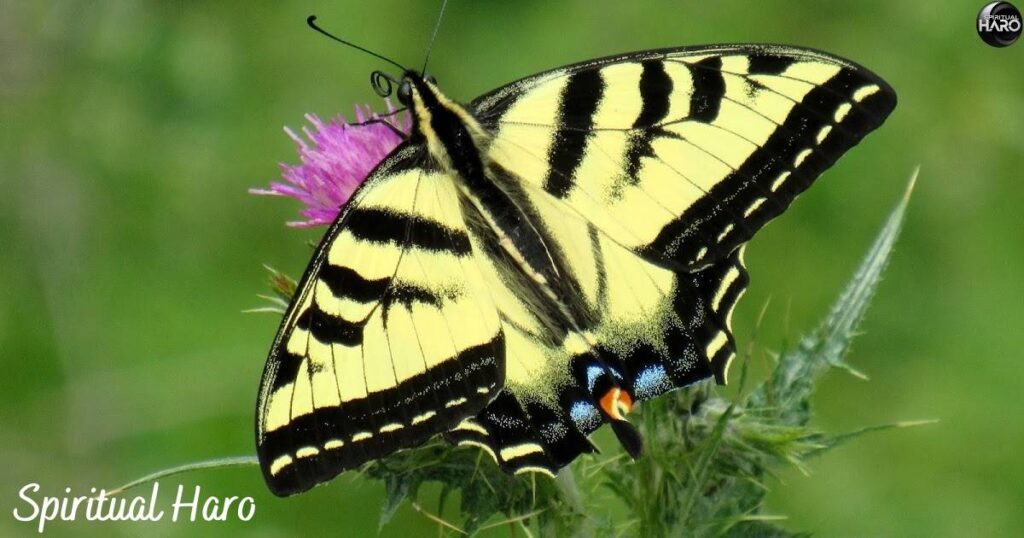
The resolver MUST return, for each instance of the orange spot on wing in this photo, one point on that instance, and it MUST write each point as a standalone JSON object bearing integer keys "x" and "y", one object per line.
{"x": 608, "y": 402}
{"x": 615, "y": 401}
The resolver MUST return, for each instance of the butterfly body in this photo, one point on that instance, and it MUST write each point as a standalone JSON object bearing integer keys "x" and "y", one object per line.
{"x": 523, "y": 268}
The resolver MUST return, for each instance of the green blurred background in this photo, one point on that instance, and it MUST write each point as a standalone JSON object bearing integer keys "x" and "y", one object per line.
{"x": 131, "y": 131}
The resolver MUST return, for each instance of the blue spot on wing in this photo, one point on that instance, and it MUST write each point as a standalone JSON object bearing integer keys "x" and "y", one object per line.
{"x": 593, "y": 373}
{"x": 651, "y": 382}
{"x": 585, "y": 415}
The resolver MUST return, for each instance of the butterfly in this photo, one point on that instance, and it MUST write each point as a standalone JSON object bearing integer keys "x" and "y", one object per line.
{"x": 524, "y": 268}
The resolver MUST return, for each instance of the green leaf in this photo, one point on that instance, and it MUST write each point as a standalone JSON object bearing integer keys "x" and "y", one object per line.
{"x": 281, "y": 284}
{"x": 395, "y": 491}
{"x": 217, "y": 463}
{"x": 832, "y": 441}
{"x": 789, "y": 387}
{"x": 701, "y": 468}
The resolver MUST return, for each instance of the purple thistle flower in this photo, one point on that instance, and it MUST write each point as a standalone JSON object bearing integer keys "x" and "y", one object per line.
{"x": 336, "y": 160}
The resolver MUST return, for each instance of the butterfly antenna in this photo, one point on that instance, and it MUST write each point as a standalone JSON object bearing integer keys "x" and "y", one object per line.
{"x": 311, "y": 21}
{"x": 433, "y": 37}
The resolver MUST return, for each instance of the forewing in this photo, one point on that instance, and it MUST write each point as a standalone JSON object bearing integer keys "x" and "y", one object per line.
{"x": 681, "y": 155}
{"x": 391, "y": 337}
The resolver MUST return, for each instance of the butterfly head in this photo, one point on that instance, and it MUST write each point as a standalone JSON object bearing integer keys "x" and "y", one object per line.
{"x": 413, "y": 82}
{"x": 451, "y": 133}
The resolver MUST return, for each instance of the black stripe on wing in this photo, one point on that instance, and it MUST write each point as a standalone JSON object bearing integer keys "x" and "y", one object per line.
{"x": 346, "y": 283}
{"x": 578, "y": 103}
{"x": 745, "y": 200}
{"x": 655, "y": 90}
{"x": 766, "y": 63}
{"x": 708, "y": 89}
{"x": 355, "y": 432}
{"x": 383, "y": 226}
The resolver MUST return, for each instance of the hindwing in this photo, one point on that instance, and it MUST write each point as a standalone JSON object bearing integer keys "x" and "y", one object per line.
{"x": 645, "y": 329}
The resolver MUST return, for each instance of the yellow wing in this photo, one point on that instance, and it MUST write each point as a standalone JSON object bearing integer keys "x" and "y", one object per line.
{"x": 681, "y": 155}
{"x": 391, "y": 338}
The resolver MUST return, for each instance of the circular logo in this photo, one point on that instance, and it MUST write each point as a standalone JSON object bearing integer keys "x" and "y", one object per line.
{"x": 999, "y": 24}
